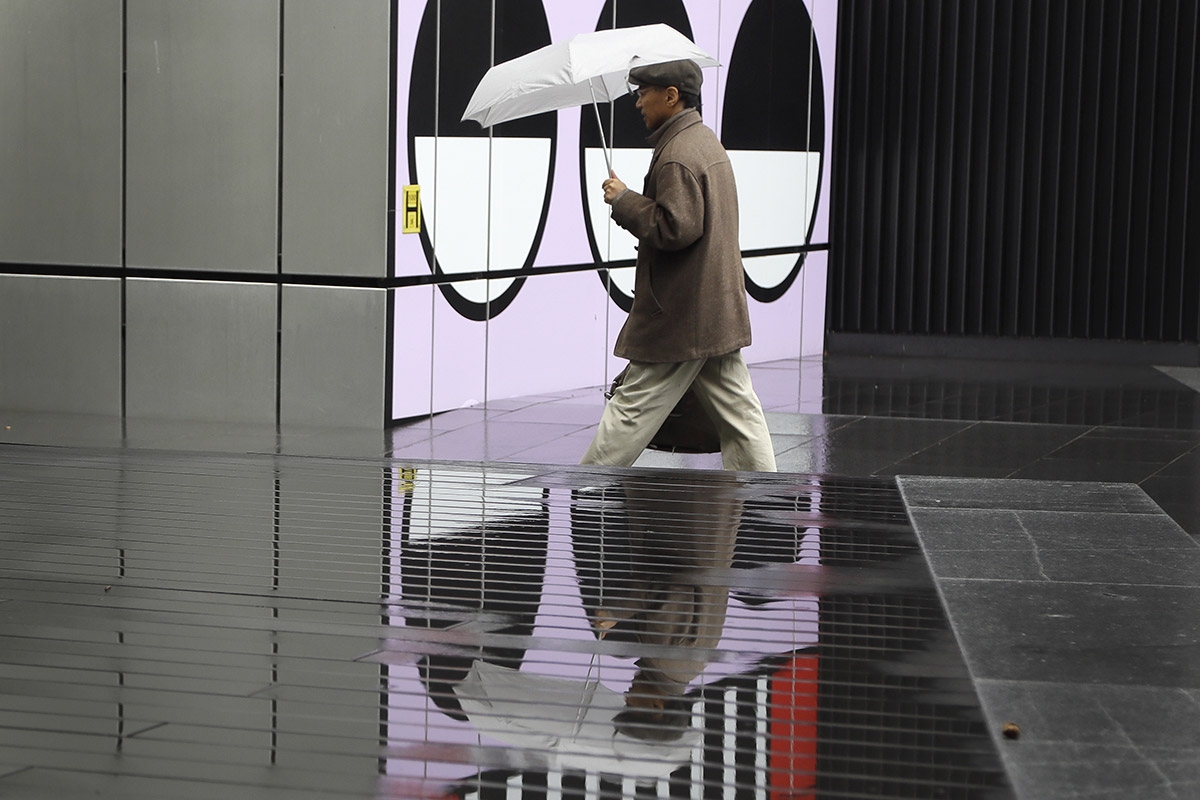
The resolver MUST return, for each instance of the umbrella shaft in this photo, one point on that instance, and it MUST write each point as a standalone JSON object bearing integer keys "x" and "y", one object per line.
{"x": 600, "y": 125}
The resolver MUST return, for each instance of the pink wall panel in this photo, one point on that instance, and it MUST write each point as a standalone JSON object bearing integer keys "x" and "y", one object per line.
{"x": 517, "y": 200}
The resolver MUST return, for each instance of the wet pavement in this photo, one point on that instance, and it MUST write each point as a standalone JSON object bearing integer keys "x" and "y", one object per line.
{"x": 272, "y": 626}
{"x": 450, "y": 609}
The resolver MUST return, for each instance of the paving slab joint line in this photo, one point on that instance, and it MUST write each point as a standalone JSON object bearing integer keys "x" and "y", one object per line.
{"x": 995, "y": 727}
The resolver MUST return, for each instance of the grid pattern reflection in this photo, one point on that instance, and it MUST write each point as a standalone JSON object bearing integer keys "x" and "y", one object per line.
{"x": 267, "y": 626}
{"x": 670, "y": 634}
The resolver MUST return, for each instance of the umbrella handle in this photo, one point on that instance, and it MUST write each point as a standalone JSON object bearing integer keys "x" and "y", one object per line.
{"x": 579, "y": 712}
{"x": 600, "y": 125}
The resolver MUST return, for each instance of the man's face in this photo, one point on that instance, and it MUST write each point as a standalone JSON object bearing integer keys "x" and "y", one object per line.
{"x": 655, "y": 103}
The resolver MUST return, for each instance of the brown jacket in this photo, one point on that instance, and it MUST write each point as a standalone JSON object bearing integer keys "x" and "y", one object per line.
{"x": 689, "y": 291}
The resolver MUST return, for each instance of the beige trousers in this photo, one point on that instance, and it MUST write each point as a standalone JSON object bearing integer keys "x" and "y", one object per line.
{"x": 650, "y": 392}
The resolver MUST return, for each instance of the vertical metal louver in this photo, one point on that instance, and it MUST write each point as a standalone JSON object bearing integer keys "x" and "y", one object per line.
{"x": 1017, "y": 169}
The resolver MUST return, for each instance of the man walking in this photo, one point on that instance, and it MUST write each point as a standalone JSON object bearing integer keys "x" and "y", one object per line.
{"x": 689, "y": 319}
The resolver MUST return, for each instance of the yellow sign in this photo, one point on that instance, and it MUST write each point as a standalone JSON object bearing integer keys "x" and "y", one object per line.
{"x": 406, "y": 480}
{"x": 412, "y": 209}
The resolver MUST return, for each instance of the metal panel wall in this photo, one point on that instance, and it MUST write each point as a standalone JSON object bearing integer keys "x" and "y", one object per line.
{"x": 200, "y": 351}
{"x": 194, "y": 135}
{"x": 202, "y": 134}
{"x": 333, "y": 343}
{"x": 60, "y": 132}
{"x": 1017, "y": 169}
{"x": 60, "y": 344}
{"x": 336, "y": 144}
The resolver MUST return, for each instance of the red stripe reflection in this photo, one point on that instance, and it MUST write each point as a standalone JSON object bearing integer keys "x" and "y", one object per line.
{"x": 792, "y": 765}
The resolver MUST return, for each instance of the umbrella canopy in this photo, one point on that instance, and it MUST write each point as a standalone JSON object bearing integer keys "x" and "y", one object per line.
{"x": 568, "y": 724}
{"x": 590, "y": 67}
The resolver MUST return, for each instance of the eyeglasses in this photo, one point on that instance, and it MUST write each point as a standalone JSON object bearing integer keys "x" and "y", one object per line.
{"x": 640, "y": 93}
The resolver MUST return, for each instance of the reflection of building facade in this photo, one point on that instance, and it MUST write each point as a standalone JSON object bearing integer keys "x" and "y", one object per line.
{"x": 832, "y": 643}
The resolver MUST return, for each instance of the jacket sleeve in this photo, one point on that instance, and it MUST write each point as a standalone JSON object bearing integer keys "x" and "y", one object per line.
{"x": 671, "y": 221}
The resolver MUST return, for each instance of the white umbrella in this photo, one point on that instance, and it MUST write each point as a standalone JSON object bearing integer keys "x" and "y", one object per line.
{"x": 588, "y": 67}
{"x": 567, "y": 723}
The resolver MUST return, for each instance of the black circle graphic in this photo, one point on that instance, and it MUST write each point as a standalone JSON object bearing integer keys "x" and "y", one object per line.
{"x": 450, "y": 57}
{"x": 775, "y": 99}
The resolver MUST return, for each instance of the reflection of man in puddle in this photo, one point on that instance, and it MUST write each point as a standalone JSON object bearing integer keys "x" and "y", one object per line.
{"x": 655, "y": 575}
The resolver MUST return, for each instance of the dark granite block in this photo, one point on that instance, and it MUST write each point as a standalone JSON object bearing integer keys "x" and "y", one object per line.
{"x": 1164, "y": 434}
{"x": 459, "y": 418}
{"x": 807, "y": 425}
{"x": 968, "y": 468}
{"x": 1179, "y": 413}
{"x": 416, "y": 431}
{"x": 503, "y": 404}
{"x": 797, "y": 459}
{"x": 1025, "y": 495}
{"x": 1186, "y": 466}
{"x": 1089, "y": 772}
{"x": 566, "y": 449}
{"x": 1077, "y": 633}
{"x": 669, "y": 460}
{"x": 560, "y": 413}
{"x": 995, "y": 529}
{"x": 1177, "y": 497}
{"x": 882, "y": 433}
{"x": 777, "y": 384}
{"x": 1131, "y": 565}
{"x": 1001, "y": 447}
{"x": 1075, "y": 469}
{"x": 1124, "y": 448}
{"x": 825, "y": 456}
{"x": 788, "y": 441}
{"x": 1182, "y": 770}
{"x": 1144, "y": 716}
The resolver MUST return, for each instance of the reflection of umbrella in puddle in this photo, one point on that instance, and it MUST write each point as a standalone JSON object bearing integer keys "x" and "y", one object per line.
{"x": 565, "y": 723}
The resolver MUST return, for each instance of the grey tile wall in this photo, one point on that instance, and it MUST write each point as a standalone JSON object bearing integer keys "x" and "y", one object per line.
{"x": 60, "y": 344}
{"x": 148, "y": 134}
{"x": 336, "y": 142}
{"x": 202, "y": 127}
{"x": 60, "y": 132}
{"x": 200, "y": 350}
{"x": 332, "y": 352}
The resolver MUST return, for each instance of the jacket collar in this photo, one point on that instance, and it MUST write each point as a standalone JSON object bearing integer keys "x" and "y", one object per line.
{"x": 672, "y": 127}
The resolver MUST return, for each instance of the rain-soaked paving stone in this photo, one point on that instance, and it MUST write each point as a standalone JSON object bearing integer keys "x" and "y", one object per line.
{"x": 272, "y": 626}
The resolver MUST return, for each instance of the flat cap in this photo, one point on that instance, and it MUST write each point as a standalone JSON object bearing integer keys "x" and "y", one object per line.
{"x": 683, "y": 74}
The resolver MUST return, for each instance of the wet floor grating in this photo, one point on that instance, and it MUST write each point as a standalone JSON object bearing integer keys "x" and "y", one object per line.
{"x": 269, "y": 626}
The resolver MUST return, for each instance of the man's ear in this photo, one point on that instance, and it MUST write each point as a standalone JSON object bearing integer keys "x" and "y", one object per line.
{"x": 672, "y": 95}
